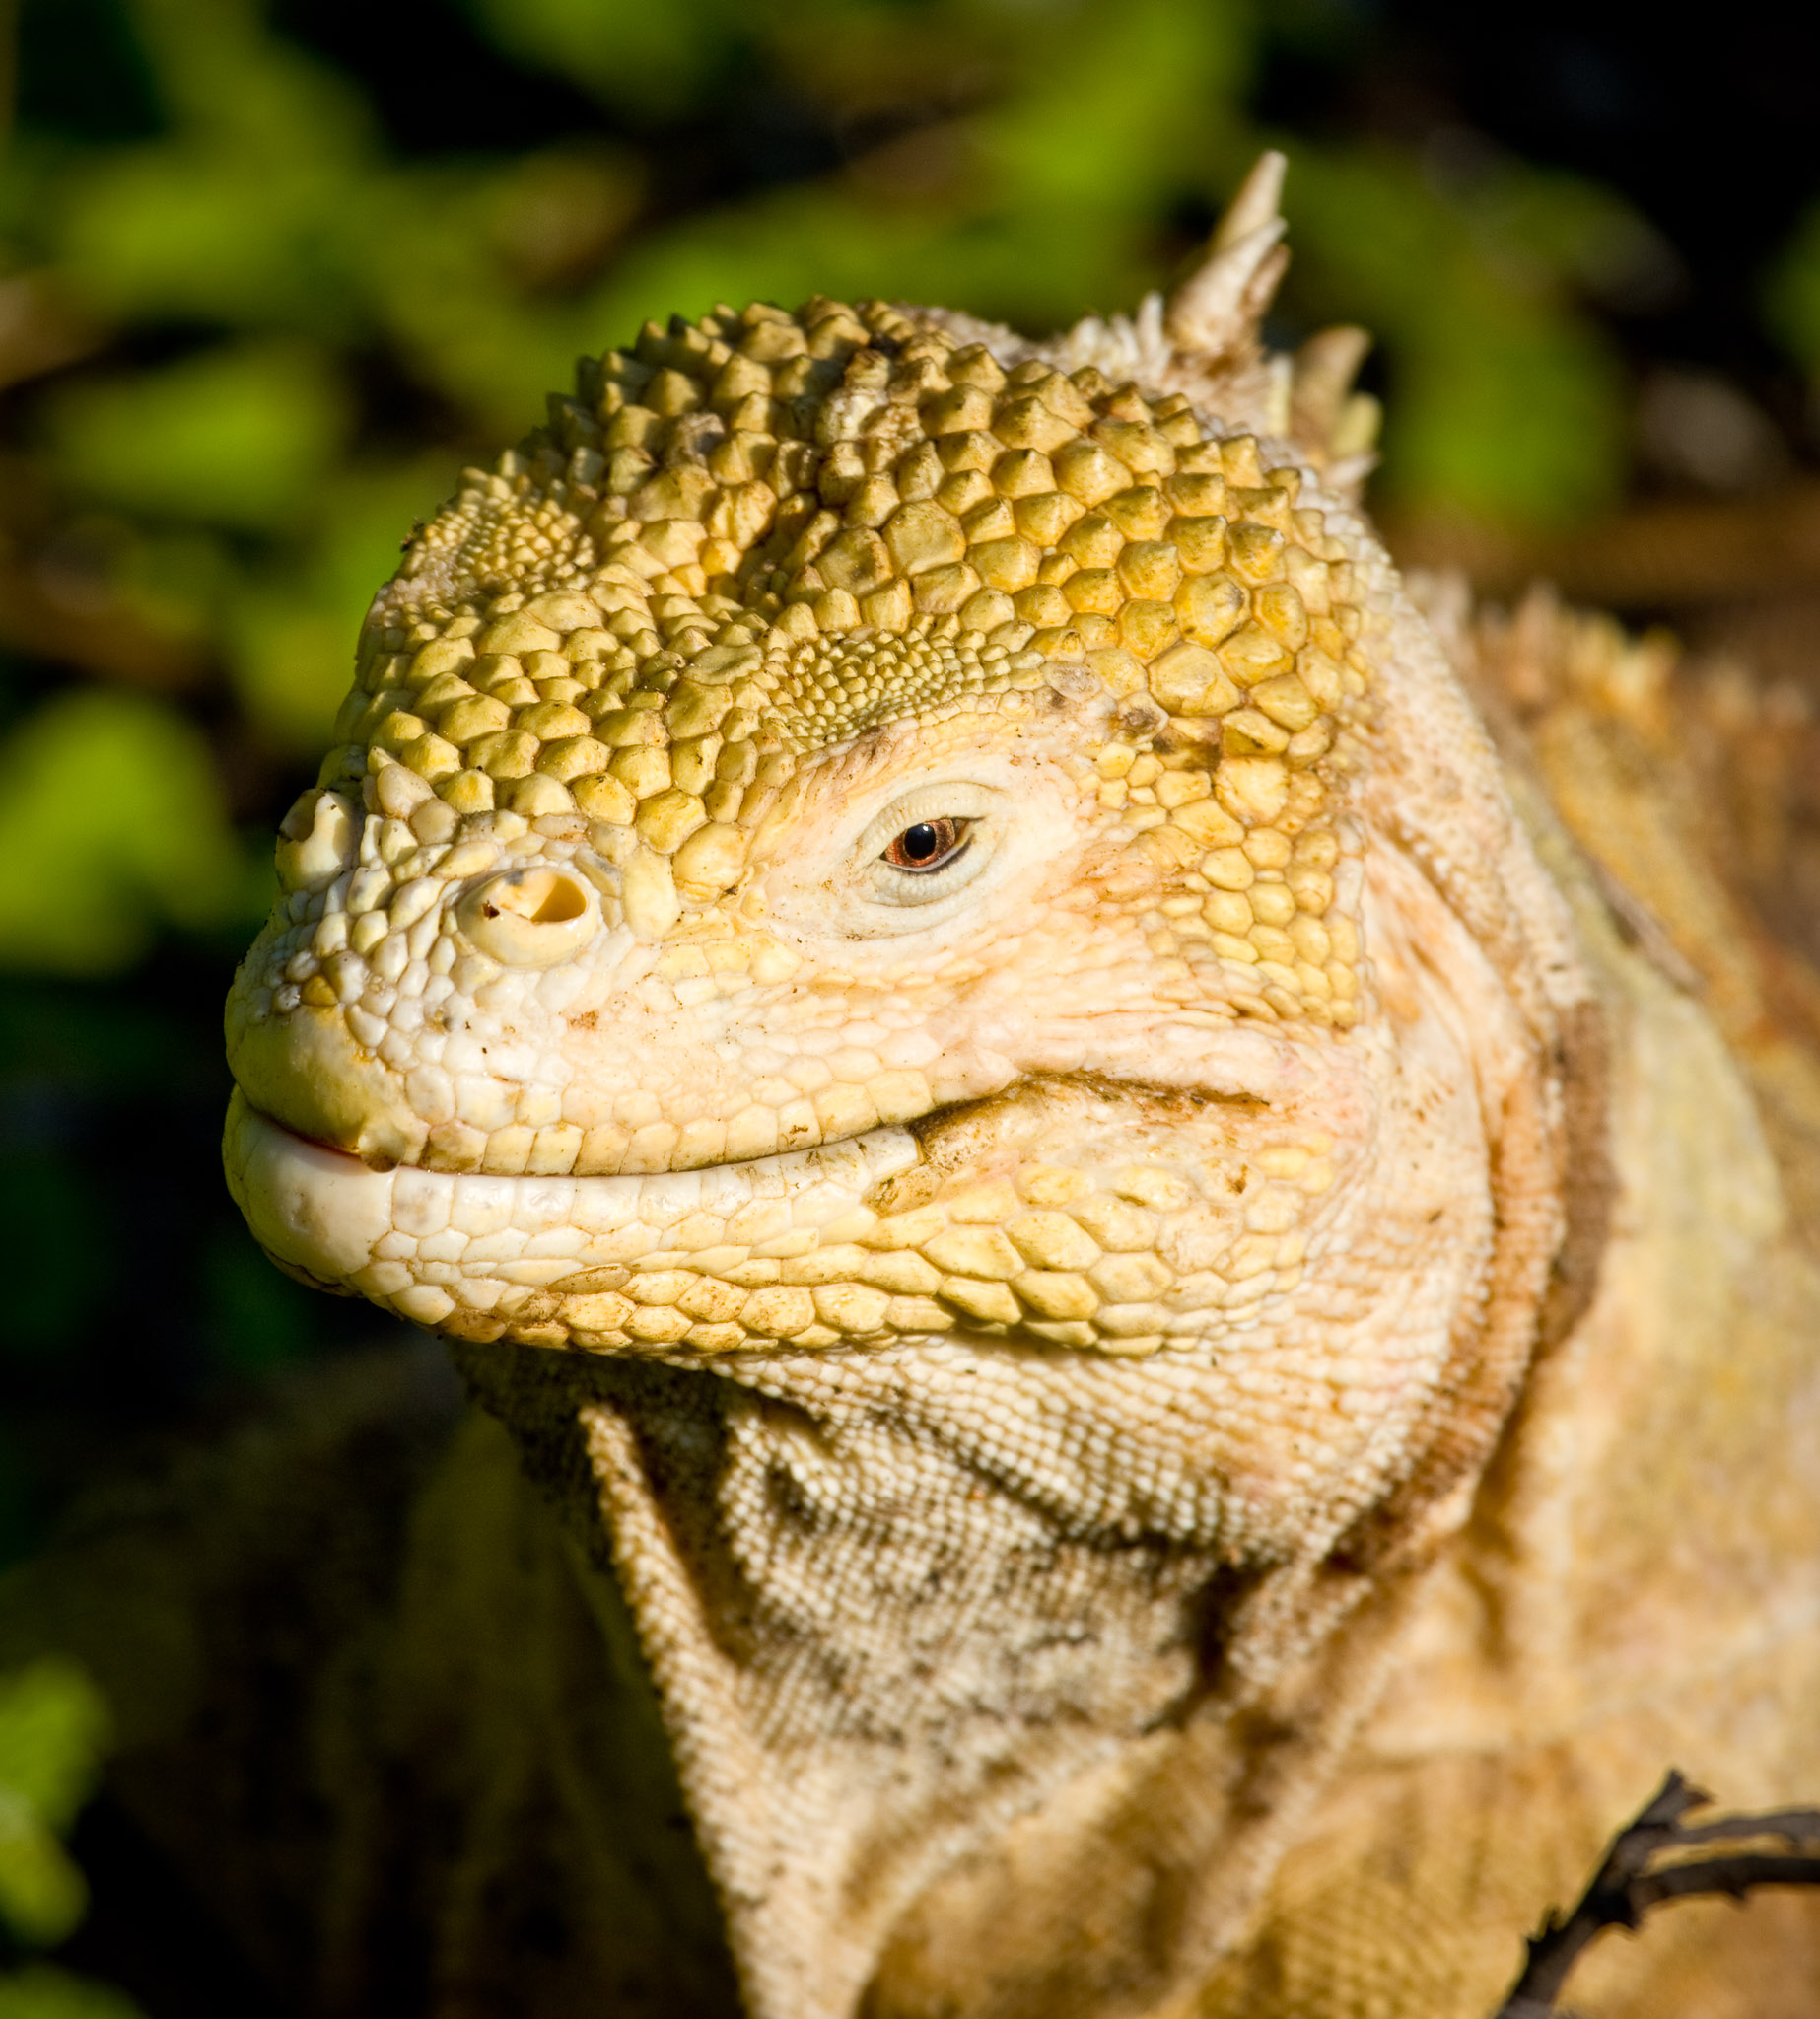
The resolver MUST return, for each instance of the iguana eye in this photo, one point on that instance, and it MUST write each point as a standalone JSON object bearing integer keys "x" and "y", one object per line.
{"x": 928, "y": 844}
{"x": 916, "y": 857}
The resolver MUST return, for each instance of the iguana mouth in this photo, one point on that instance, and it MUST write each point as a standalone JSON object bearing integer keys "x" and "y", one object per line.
{"x": 1057, "y": 1212}
{"x": 432, "y": 1243}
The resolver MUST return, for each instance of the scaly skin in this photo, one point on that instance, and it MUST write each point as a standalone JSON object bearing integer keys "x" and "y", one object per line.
{"x": 942, "y": 888}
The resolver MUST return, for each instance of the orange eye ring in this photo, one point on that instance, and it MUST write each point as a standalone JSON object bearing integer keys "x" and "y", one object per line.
{"x": 928, "y": 844}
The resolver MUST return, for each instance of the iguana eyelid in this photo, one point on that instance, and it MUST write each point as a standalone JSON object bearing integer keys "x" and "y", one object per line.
{"x": 951, "y": 799}
{"x": 969, "y": 804}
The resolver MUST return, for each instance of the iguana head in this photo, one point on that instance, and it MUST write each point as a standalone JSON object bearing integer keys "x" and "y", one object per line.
{"x": 868, "y": 833}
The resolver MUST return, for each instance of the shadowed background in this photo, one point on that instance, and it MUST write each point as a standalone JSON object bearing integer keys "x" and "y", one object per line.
{"x": 269, "y": 275}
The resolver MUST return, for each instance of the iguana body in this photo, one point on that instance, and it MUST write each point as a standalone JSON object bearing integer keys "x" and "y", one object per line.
{"x": 1193, "y": 1373}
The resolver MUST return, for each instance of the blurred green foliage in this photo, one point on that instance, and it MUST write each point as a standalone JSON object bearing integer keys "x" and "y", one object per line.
{"x": 54, "y": 1733}
{"x": 44, "y": 1991}
{"x": 53, "y": 1730}
{"x": 1792, "y": 296}
{"x": 111, "y": 801}
{"x": 237, "y": 436}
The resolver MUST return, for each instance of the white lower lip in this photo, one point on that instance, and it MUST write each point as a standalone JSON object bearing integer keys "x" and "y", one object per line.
{"x": 328, "y": 1213}
{"x": 316, "y": 1208}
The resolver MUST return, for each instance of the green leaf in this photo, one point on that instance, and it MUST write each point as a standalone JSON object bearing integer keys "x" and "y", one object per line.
{"x": 1792, "y": 296}
{"x": 222, "y": 73}
{"x": 111, "y": 820}
{"x": 1049, "y": 211}
{"x": 238, "y": 437}
{"x": 1122, "y": 107}
{"x": 648, "y": 62}
{"x": 53, "y": 1728}
{"x": 434, "y": 277}
{"x": 43, "y": 1991}
{"x": 43, "y": 1893}
{"x": 192, "y": 232}
{"x": 1504, "y": 398}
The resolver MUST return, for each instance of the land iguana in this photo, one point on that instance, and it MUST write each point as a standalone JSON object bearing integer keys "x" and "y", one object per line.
{"x": 1169, "y": 1300}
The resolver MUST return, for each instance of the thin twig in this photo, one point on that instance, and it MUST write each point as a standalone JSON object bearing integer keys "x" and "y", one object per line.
{"x": 1631, "y": 1881}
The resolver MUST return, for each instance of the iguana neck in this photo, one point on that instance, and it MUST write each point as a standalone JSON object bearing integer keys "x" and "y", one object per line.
{"x": 882, "y": 1661}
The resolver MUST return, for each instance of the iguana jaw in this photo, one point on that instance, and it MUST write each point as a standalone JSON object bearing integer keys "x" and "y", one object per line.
{"x": 403, "y": 1232}
{"x": 1079, "y": 1210}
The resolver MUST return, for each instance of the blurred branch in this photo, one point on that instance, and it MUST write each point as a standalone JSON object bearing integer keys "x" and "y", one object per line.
{"x": 40, "y": 330}
{"x": 85, "y": 625}
{"x": 1654, "y": 556}
{"x": 1631, "y": 1881}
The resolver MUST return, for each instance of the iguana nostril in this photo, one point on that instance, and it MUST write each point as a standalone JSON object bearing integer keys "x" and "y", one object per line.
{"x": 543, "y": 897}
{"x": 532, "y": 916}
